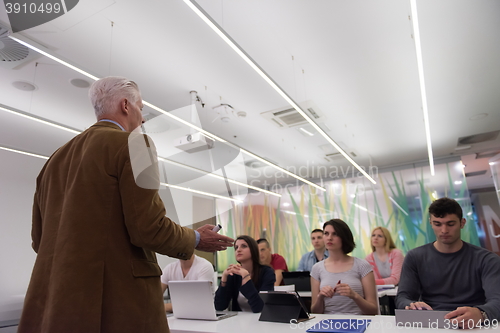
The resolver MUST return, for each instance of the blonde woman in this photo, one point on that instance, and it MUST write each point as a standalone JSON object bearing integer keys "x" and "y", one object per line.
{"x": 385, "y": 259}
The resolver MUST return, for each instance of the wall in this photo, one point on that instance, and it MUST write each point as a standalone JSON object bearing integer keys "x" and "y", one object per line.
{"x": 399, "y": 202}
{"x": 17, "y": 186}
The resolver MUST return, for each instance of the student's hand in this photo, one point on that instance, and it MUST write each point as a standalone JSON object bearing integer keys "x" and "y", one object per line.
{"x": 343, "y": 289}
{"x": 465, "y": 317}
{"x": 326, "y": 291}
{"x": 418, "y": 306}
{"x": 211, "y": 241}
{"x": 237, "y": 269}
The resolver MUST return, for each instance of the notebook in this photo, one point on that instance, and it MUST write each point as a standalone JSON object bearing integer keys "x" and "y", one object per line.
{"x": 194, "y": 300}
{"x": 422, "y": 318}
{"x": 301, "y": 280}
{"x": 340, "y": 326}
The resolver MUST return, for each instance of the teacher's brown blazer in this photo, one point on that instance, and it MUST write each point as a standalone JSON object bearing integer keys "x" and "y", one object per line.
{"x": 95, "y": 232}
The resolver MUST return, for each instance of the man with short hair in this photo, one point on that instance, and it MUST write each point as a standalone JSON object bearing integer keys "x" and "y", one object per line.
{"x": 450, "y": 274}
{"x": 195, "y": 268}
{"x": 276, "y": 261}
{"x": 318, "y": 254}
{"x": 97, "y": 223}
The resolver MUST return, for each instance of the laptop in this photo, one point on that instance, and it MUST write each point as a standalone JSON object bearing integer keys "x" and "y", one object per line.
{"x": 422, "y": 318}
{"x": 194, "y": 300}
{"x": 301, "y": 280}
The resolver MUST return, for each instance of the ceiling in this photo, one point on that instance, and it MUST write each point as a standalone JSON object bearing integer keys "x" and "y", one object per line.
{"x": 355, "y": 61}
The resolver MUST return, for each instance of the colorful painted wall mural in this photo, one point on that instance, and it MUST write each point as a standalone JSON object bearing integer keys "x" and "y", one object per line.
{"x": 399, "y": 201}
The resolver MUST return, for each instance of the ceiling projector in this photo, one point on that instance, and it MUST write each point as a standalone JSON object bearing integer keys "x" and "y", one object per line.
{"x": 192, "y": 143}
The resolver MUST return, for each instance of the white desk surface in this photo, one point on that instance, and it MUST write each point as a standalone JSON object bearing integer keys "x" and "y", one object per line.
{"x": 246, "y": 322}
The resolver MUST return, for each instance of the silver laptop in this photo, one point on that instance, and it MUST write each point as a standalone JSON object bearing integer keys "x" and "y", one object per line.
{"x": 194, "y": 300}
{"x": 422, "y": 318}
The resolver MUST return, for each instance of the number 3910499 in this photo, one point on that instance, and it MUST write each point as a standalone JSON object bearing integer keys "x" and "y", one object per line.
{"x": 32, "y": 8}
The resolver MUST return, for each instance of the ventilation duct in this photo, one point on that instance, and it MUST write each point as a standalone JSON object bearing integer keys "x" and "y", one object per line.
{"x": 288, "y": 117}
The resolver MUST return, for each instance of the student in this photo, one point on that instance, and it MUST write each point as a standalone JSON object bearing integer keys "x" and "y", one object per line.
{"x": 195, "y": 268}
{"x": 385, "y": 259}
{"x": 241, "y": 283}
{"x": 276, "y": 261}
{"x": 341, "y": 283}
{"x": 319, "y": 253}
{"x": 450, "y": 274}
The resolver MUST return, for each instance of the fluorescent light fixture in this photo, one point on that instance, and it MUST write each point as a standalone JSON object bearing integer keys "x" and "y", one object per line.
{"x": 19, "y": 39}
{"x": 286, "y": 204}
{"x": 74, "y": 131}
{"x": 423, "y": 93}
{"x": 164, "y": 184}
{"x": 229, "y": 41}
{"x": 458, "y": 182}
{"x": 24, "y": 153}
{"x": 48, "y": 55}
{"x": 201, "y": 192}
{"x": 219, "y": 177}
{"x": 491, "y": 163}
{"x": 397, "y": 205}
{"x": 361, "y": 207}
{"x": 38, "y": 119}
{"x": 306, "y": 131}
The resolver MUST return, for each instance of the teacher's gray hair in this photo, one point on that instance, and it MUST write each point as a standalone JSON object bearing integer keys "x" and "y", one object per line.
{"x": 106, "y": 93}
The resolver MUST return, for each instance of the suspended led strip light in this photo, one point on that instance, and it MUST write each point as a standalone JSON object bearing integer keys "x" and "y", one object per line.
{"x": 218, "y": 176}
{"x": 47, "y": 122}
{"x": 164, "y": 184}
{"x": 215, "y": 27}
{"x": 40, "y": 120}
{"x": 201, "y": 192}
{"x": 423, "y": 93}
{"x": 208, "y": 134}
{"x": 24, "y": 153}
{"x": 397, "y": 205}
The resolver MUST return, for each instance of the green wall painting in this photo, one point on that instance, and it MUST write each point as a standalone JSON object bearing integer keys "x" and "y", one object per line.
{"x": 399, "y": 201}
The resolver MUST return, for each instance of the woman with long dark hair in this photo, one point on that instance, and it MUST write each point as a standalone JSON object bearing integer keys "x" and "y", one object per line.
{"x": 242, "y": 282}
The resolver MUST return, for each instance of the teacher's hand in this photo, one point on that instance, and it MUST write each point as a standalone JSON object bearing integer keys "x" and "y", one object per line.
{"x": 211, "y": 241}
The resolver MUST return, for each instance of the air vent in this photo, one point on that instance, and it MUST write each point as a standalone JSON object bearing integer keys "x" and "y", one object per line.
{"x": 12, "y": 53}
{"x": 478, "y": 138}
{"x": 289, "y": 117}
{"x": 489, "y": 154}
{"x": 11, "y": 50}
{"x": 475, "y": 173}
{"x": 256, "y": 164}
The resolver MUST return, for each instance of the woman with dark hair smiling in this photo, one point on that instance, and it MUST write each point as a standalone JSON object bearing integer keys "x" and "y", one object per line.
{"x": 341, "y": 283}
{"x": 242, "y": 282}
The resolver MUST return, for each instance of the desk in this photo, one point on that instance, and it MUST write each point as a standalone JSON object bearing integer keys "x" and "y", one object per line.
{"x": 246, "y": 322}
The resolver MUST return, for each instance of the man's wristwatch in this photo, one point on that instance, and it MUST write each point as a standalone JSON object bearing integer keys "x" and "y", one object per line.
{"x": 484, "y": 314}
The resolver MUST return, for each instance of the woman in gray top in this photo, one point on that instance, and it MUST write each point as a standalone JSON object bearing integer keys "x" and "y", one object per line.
{"x": 341, "y": 283}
